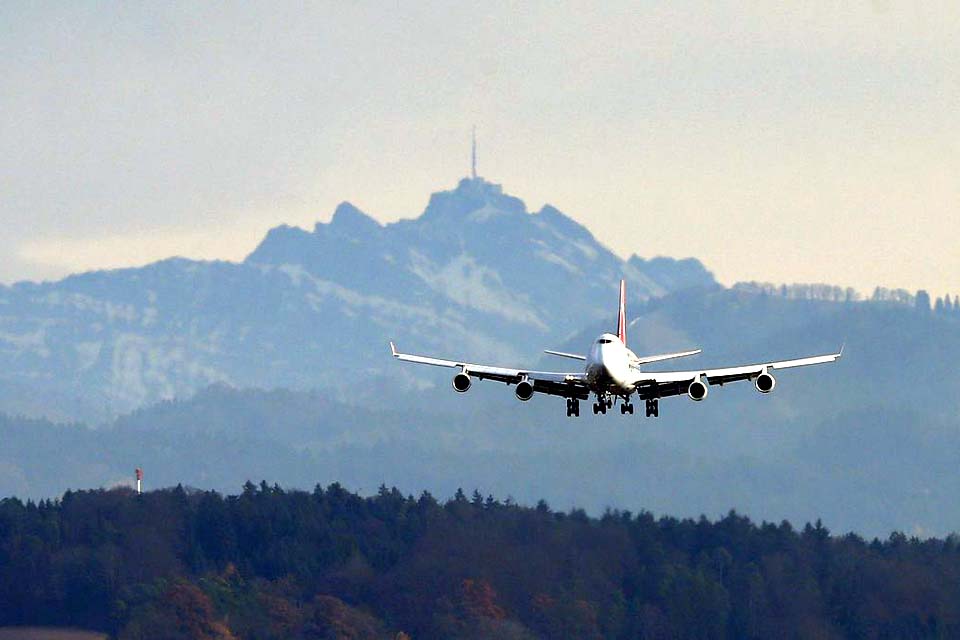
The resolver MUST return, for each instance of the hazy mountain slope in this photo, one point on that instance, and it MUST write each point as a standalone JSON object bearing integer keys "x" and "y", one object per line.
{"x": 476, "y": 273}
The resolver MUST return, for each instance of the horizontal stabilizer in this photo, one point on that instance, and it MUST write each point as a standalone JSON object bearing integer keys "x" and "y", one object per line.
{"x": 667, "y": 356}
{"x": 563, "y": 354}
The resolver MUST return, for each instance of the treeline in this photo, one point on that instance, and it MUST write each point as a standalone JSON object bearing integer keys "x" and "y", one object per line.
{"x": 802, "y": 291}
{"x": 832, "y": 293}
{"x": 270, "y": 563}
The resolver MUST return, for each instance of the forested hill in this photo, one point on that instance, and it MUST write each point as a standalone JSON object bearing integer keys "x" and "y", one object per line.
{"x": 270, "y": 563}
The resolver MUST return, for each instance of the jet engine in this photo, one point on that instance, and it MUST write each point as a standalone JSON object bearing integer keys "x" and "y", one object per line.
{"x": 461, "y": 382}
{"x": 765, "y": 382}
{"x": 698, "y": 390}
{"x": 524, "y": 390}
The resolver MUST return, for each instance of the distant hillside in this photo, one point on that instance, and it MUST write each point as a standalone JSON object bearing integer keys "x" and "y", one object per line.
{"x": 475, "y": 273}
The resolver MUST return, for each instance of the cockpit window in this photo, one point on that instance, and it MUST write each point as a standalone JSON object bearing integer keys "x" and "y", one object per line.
{"x": 604, "y": 341}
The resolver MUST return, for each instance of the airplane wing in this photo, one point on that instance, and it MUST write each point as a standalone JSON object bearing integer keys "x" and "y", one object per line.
{"x": 568, "y": 385}
{"x": 666, "y": 356}
{"x": 652, "y": 384}
{"x": 564, "y": 354}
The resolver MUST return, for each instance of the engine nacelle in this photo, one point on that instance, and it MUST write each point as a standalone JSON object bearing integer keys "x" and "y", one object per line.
{"x": 698, "y": 390}
{"x": 765, "y": 382}
{"x": 524, "y": 390}
{"x": 461, "y": 382}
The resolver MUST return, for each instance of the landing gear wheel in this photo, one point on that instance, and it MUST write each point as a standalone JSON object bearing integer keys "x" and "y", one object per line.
{"x": 600, "y": 407}
{"x": 573, "y": 407}
{"x": 653, "y": 408}
{"x": 626, "y": 407}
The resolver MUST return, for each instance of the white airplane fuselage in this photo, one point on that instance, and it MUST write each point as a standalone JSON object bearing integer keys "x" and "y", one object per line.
{"x": 608, "y": 366}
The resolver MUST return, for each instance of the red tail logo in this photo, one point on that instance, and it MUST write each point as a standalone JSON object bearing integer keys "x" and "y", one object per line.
{"x": 622, "y": 317}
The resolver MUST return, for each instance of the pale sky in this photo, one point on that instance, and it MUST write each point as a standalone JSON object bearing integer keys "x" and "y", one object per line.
{"x": 812, "y": 144}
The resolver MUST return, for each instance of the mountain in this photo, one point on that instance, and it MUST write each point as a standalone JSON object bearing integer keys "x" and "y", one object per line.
{"x": 475, "y": 273}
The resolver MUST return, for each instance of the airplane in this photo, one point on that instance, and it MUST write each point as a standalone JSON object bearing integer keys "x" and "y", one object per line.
{"x": 614, "y": 372}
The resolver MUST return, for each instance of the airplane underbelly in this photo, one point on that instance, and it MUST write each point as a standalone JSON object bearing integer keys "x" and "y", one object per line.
{"x": 595, "y": 374}
{"x": 602, "y": 379}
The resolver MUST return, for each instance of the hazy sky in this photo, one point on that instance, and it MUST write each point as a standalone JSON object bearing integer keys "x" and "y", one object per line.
{"x": 818, "y": 143}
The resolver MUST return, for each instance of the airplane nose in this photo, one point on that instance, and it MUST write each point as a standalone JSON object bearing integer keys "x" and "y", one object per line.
{"x": 612, "y": 367}
{"x": 605, "y": 369}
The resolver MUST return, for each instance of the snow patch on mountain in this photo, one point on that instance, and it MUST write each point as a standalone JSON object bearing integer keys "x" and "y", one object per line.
{"x": 372, "y": 306}
{"x": 111, "y": 311}
{"x": 88, "y": 354}
{"x": 587, "y": 250}
{"x": 24, "y": 341}
{"x": 472, "y": 285}
{"x": 486, "y": 213}
{"x": 143, "y": 370}
{"x": 554, "y": 258}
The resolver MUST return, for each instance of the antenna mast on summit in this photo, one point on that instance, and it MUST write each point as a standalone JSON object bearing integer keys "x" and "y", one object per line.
{"x": 473, "y": 155}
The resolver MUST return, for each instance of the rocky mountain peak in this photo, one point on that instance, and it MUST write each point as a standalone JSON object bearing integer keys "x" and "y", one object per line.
{"x": 561, "y": 222}
{"x": 349, "y": 220}
{"x": 470, "y": 195}
{"x": 280, "y": 241}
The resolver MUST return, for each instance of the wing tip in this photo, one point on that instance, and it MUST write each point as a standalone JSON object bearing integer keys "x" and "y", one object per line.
{"x": 393, "y": 349}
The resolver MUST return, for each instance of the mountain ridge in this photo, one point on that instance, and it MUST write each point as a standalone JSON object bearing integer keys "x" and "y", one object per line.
{"x": 476, "y": 272}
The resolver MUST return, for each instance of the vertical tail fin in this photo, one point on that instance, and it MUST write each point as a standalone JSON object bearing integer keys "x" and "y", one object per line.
{"x": 622, "y": 316}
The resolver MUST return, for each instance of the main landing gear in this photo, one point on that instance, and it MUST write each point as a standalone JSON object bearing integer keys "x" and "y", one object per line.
{"x": 602, "y": 404}
{"x": 605, "y": 403}
{"x": 653, "y": 408}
